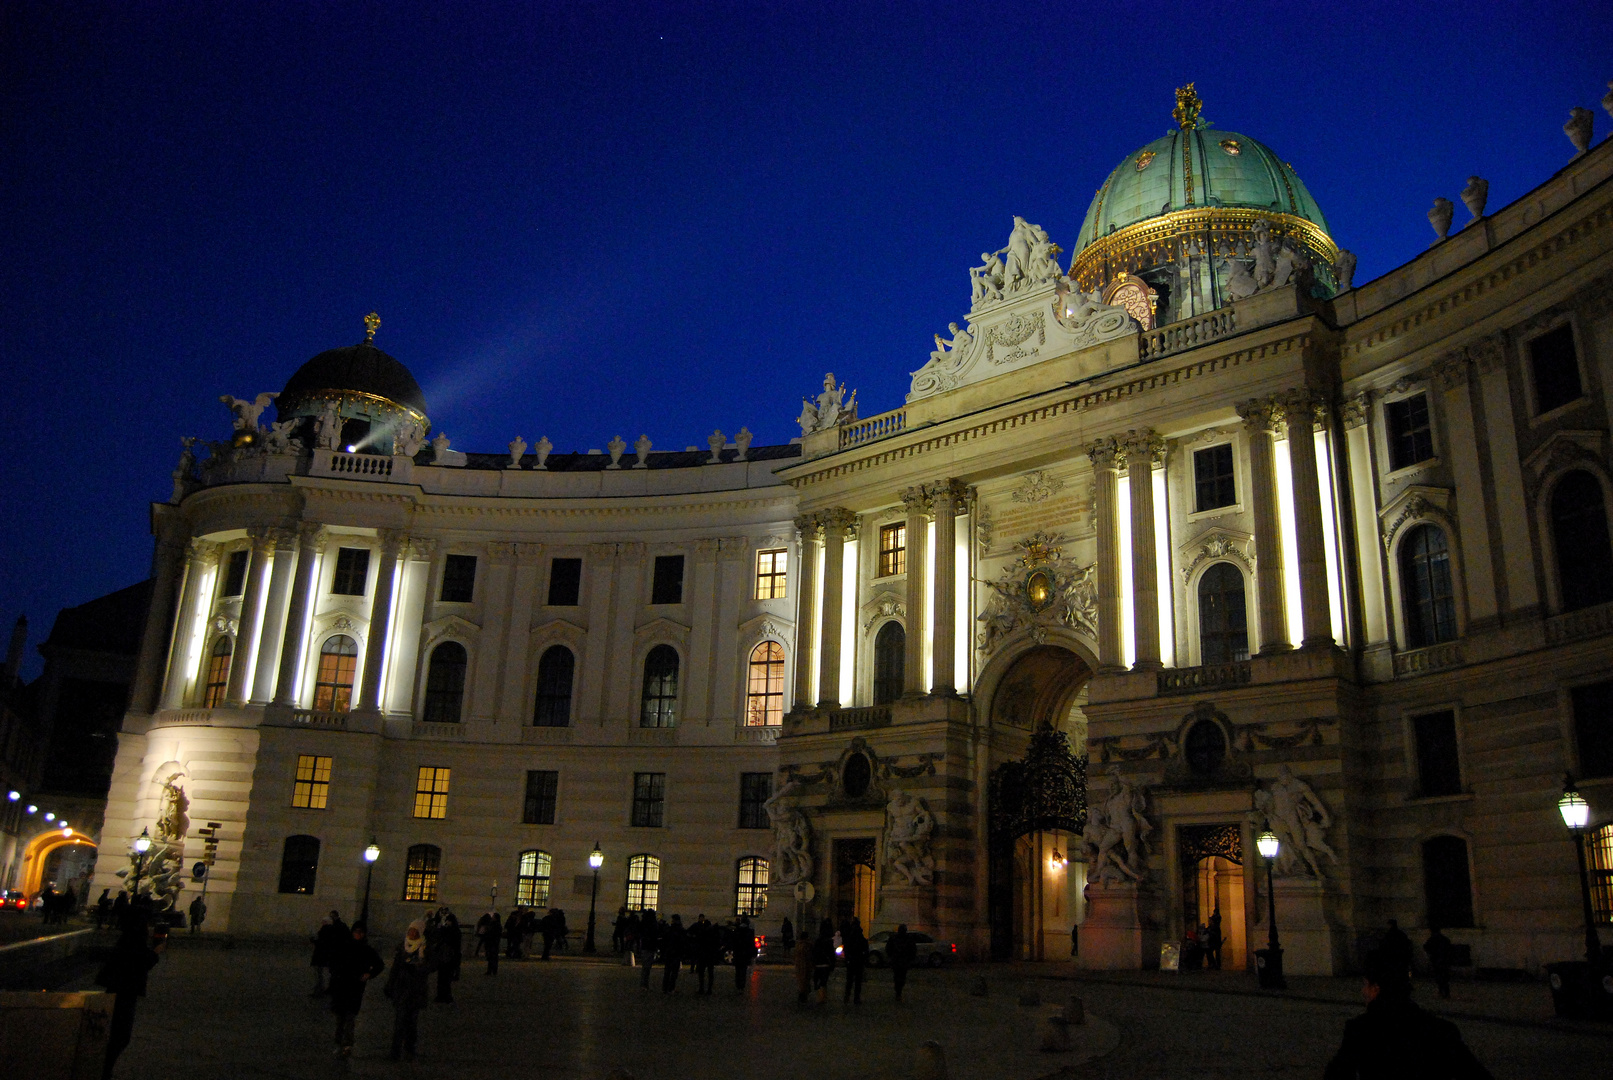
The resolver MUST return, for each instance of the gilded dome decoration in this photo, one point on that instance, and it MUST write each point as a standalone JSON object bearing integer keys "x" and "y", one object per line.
{"x": 372, "y": 393}
{"x": 1187, "y": 212}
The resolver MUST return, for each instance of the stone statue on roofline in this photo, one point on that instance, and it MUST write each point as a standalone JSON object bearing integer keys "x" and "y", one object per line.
{"x": 831, "y": 408}
{"x": 247, "y": 412}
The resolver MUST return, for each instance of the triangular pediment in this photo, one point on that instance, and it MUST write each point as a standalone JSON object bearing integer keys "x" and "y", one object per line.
{"x": 1564, "y": 448}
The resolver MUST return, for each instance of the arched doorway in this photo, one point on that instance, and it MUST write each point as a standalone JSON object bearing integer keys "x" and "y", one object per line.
{"x": 66, "y": 858}
{"x": 1037, "y": 805}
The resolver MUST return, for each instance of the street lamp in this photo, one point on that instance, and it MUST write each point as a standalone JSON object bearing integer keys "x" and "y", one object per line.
{"x": 596, "y": 859}
{"x": 1271, "y": 963}
{"x": 1576, "y": 814}
{"x": 371, "y": 853}
{"x": 142, "y": 844}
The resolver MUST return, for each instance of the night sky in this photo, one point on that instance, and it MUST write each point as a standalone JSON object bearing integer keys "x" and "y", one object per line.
{"x": 587, "y": 219}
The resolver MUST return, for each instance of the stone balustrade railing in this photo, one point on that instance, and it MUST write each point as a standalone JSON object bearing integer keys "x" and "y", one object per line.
{"x": 361, "y": 464}
{"x": 756, "y": 733}
{"x": 1577, "y": 624}
{"x": 875, "y": 427}
{"x": 869, "y": 716}
{"x": 1187, "y": 334}
{"x": 1433, "y": 658}
{"x": 1193, "y": 679}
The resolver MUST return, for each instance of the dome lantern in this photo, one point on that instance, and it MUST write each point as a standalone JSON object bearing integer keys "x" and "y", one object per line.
{"x": 372, "y": 393}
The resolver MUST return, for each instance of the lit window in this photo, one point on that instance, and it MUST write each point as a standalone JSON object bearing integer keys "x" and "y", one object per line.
{"x": 532, "y": 879}
{"x": 750, "y": 895}
{"x": 1579, "y": 535}
{"x": 352, "y": 571}
{"x": 1425, "y": 587}
{"x": 893, "y": 549}
{"x": 458, "y": 579}
{"x": 771, "y": 571}
{"x": 312, "y": 788}
{"x": 431, "y": 793}
{"x": 1555, "y": 367}
{"x": 333, "y": 686}
{"x": 659, "y": 704}
{"x": 1214, "y": 485}
{"x": 755, "y": 788}
{"x": 299, "y": 865}
{"x": 420, "y": 873}
{"x": 556, "y": 668}
{"x": 1599, "y": 860}
{"x": 649, "y": 799}
{"x": 445, "y": 683}
{"x": 764, "y": 700}
{"x": 1223, "y": 618}
{"x": 218, "y": 672}
{"x": 643, "y": 882}
{"x": 1411, "y": 438}
{"x": 537, "y": 808}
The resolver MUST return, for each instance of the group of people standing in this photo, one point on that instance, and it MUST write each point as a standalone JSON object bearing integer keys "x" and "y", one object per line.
{"x": 516, "y": 931}
{"x": 816, "y": 958}
{"x": 647, "y": 940}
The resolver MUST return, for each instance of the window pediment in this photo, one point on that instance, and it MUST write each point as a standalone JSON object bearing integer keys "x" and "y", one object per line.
{"x": 1216, "y": 543}
{"x": 1565, "y": 448}
{"x": 449, "y": 625}
{"x": 662, "y": 629}
{"x": 1417, "y": 503}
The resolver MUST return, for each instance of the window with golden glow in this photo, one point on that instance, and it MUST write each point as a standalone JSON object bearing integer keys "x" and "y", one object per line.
{"x": 333, "y": 686}
{"x": 643, "y": 882}
{"x": 893, "y": 549}
{"x": 312, "y": 789}
{"x": 750, "y": 895}
{"x": 420, "y": 873}
{"x": 772, "y": 567}
{"x": 764, "y": 700}
{"x": 532, "y": 879}
{"x": 1599, "y": 863}
{"x": 218, "y": 672}
{"x": 431, "y": 793}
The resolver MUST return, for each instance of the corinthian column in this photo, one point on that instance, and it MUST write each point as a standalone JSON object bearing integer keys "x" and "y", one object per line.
{"x": 274, "y": 615}
{"x": 806, "y": 614}
{"x": 1303, "y": 408}
{"x": 369, "y": 694}
{"x": 257, "y": 573}
{"x": 203, "y": 557}
{"x": 837, "y": 524}
{"x": 1144, "y": 449}
{"x": 1260, "y": 419}
{"x": 1105, "y": 456}
{"x": 310, "y": 542}
{"x": 917, "y": 501}
{"x": 945, "y": 497}
{"x": 160, "y": 633}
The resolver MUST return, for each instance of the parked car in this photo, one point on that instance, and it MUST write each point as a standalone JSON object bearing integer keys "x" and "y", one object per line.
{"x": 13, "y": 900}
{"x": 930, "y": 951}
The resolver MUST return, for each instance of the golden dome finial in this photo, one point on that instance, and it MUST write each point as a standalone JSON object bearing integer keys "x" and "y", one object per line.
{"x": 372, "y": 323}
{"x": 1188, "y": 107}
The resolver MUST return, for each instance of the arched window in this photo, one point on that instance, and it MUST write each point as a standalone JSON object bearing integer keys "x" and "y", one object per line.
{"x": 333, "y": 686}
{"x": 1447, "y": 887}
{"x": 1223, "y": 616}
{"x": 764, "y": 699}
{"x": 750, "y": 894}
{"x": 445, "y": 683}
{"x": 1579, "y": 533}
{"x": 218, "y": 671}
{"x": 555, "y": 670}
{"x": 643, "y": 882}
{"x": 890, "y": 658}
{"x": 1599, "y": 862}
{"x": 299, "y": 865}
{"x": 660, "y": 702}
{"x": 532, "y": 879}
{"x": 1425, "y": 587}
{"x": 420, "y": 873}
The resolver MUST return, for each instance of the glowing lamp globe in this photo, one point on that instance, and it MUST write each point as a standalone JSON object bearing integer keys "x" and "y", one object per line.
{"x": 1268, "y": 845}
{"x": 596, "y": 858}
{"x": 50, "y": 816}
{"x": 1575, "y": 810}
{"x": 13, "y": 795}
{"x": 142, "y": 843}
{"x": 372, "y": 852}
{"x": 32, "y": 809}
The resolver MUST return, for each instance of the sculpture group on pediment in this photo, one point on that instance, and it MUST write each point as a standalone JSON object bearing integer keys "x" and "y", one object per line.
{"x": 409, "y": 438}
{"x": 1296, "y": 815}
{"x": 1041, "y": 588}
{"x": 1029, "y": 261}
{"x": 1116, "y": 836}
{"x": 328, "y": 428}
{"x": 830, "y": 409}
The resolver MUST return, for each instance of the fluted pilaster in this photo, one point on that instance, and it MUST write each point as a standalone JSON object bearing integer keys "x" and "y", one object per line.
{"x": 1106, "y": 460}
{"x": 1261, "y": 416}
{"x": 839, "y": 526}
{"x": 1144, "y": 449}
{"x": 1303, "y": 409}
{"x": 917, "y": 502}
{"x": 945, "y": 500}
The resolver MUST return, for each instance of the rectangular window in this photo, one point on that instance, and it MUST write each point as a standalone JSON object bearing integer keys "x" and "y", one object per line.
{"x": 541, "y": 786}
{"x": 565, "y": 582}
{"x": 1439, "y": 769}
{"x": 1593, "y": 728}
{"x": 235, "y": 574}
{"x": 750, "y": 892}
{"x": 649, "y": 799}
{"x": 1213, "y": 483}
{"x": 755, "y": 788}
{"x": 431, "y": 793}
{"x": 532, "y": 879}
{"x": 352, "y": 571}
{"x": 893, "y": 549}
{"x": 420, "y": 873}
{"x": 458, "y": 579}
{"x": 771, "y": 571}
{"x": 667, "y": 588}
{"x": 312, "y": 788}
{"x": 1411, "y": 438}
{"x": 1555, "y": 367}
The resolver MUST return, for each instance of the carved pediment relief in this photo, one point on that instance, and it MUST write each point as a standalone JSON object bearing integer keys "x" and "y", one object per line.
{"x": 664, "y": 629}
{"x": 558, "y": 630}
{"x": 1213, "y": 544}
{"x": 1038, "y": 590}
{"x": 883, "y": 606}
{"x": 447, "y": 626}
{"x": 1416, "y": 503}
{"x": 1565, "y": 449}
{"x": 766, "y": 626}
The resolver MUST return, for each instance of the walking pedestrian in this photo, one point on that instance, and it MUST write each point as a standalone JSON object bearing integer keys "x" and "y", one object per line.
{"x": 786, "y": 935}
{"x": 120, "y": 910}
{"x": 103, "y": 909}
{"x": 744, "y": 953}
{"x": 823, "y": 959}
{"x": 450, "y": 942}
{"x": 351, "y": 969}
{"x": 1395, "y": 1037}
{"x": 705, "y": 944}
{"x": 481, "y": 936}
{"x": 513, "y": 927}
{"x": 674, "y": 943}
{"x": 332, "y": 933}
{"x": 902, "y": 952}
{"x": 495, "y": 932}
{"x": 618, "y": 930}
{"x": 1396, "y": 947}
{"x": 1212, "y": 940}
{"x": 855, "y": 944}
{"x": 802, "y": 956}
{"x": 408, "y": 985}
{"x": 198, "y": 914}
{"x": 649, "y": 939}
{"x": 1439, "y": 950}
{"x": 124, "y": 975}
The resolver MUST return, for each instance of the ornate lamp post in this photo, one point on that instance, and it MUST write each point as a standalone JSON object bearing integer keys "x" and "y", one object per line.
{"x": 1576, "y": 814}
{"x": 371, "y": 853}
{"x": 596, "y": 859}
{"x": 1270, "y": 959}
{"x": 142, "y": 845}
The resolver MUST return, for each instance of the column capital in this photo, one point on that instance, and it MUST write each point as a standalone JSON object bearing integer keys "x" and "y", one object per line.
{"x": 528, "y": 553}
{"x": 1105, "y": 454}
{"x": 1488, "y": 354}
{"x": 1143, "y": 444}
{"x": 733, "y": 548}
{"x": 840, "y": 522}
{"x": 263, "y": 538}
{"x": 204, "y": 551}
{"x": 916, "y": 499}
{"x": 1451, "y": 370}
{"x": 1355, "y": 410}
{"x": 947, "y": 495}
{"x": 1302, "y": 400}
{"x": 392, "y": 540}
{"x": 1261, "y": 415}
{"x": 421, "y": 549}
{"x": 311, "y": 534}
{"x": 811, "y": 527}
{"x": 500, "y": 553}
{"x": 707, "y": 546}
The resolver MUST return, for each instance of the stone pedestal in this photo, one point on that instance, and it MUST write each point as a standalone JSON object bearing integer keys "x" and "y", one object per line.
{"x": 1302, "y": 928}
{"x": 913, "y": 905}
{"x": 1116, "y": 936}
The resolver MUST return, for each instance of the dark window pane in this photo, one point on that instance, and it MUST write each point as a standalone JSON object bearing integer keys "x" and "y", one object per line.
{"x": 1213, "y": 482}
{"x": 540, "y": 797}
{"x": 445, "y": 683}
{"x": 755, "y": 788}
{"x": 352, "y": 570}
{"x": 1579, "y": 530}
{"x": 1411, "y": 439}
{"x": 649, "y": 798}
{"x": 299, "y": 865}
{"x": 556, "y": 669}
{"x": 1223, "y": 616}
{"x": 1426, "y": 590}
{"x": 890, "y": 658}
{"x": 659, "y": 704}
{"x": 1446, "y": 884}
{"x": 565, "y": 582}
{"x": 856, "y": 776}
{"x": 459, "y": 579}
{"x": 235, "y": 574}
{"x": 1205, "y": 748}
{"x": 1439, "y": 771}
{"x": 1555, "y": 369}
{"x": 1593, "y": 728}
{"x": 668, "y": 585}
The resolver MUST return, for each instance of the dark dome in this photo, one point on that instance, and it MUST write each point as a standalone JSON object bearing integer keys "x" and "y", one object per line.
{"x": 361, "y": 369}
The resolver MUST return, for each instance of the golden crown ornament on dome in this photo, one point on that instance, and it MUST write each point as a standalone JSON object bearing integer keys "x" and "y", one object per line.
{"x": 1188, "y": 107}
{"x": 372, "y": 323}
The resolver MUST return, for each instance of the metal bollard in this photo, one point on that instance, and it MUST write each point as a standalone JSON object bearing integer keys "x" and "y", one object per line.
{"x": 930, "y": 1063}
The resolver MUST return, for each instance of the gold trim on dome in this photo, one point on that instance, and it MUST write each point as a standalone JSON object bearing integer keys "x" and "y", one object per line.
{"x": 1188, "y": 107}
{"x": 327, "y": 395}
{"x": 1232, "y": 147}
{"x": 1145, "y": 159}
{"x": 372, "y": 323}
{"x": 1153, "y": 241}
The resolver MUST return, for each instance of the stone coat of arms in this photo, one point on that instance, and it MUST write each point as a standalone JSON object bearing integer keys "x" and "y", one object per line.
{"x": 1040, "y": 588}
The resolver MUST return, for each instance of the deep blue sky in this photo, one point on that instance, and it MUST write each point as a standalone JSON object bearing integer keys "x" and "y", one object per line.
{"x": 586, "y": 219}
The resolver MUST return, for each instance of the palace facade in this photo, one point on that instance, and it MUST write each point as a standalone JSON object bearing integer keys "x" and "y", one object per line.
{"x": 1182, "y": 540}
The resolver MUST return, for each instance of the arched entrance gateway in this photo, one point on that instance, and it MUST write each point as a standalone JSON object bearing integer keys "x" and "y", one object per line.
{"x": 1037, "y": 803}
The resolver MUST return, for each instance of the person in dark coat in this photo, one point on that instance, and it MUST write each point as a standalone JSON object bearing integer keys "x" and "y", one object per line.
{"x": 124, "y": 974}
{"x": 786, "y": 934}
{"x": 902, "y": 952}
{"x": 855, "y": 944}
{"x": 705, "y": 947}
{"x": 198, "y": 914}
{"x": 490, "y": 941}
{"x": 744, "y": 953}
{"x": 1440, "y": 950}
{"x": 409, "y": 986}
{"x": 351, "y": 969}
{"x": 1396, "y": 1038}
{"x": 120, "y": 910}
{"x": 618, "y": 930}
{"x": 649, "y": 939}
{"x": 1396, "y": 946}
{"x": 823, "y": 959}
{"x": 331, "y": 935}
{"x": 674, "y": 944}
{"x": 448, "y": 946}
{"x": 103, "y": 909}
{"x": 546, "y": 928}
{"x": 514, "y": 926}
{"x": 1213, "y": 940}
